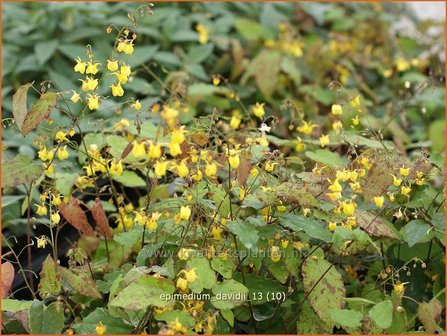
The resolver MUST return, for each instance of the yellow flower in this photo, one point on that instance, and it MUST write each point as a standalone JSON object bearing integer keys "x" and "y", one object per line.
{"x": 234, "y": 161}
{"x": 306, "y": 128}
{"x": 116, "y": 168}
{"x": 197, "y": 176}
{"x": 235, "y": 121}
{"x": 336, "y": 109}
{"x": 284, "y": 243}
{"x": 112, "y": 65}
{"x": 41, "y": 210}
{"x": 355, "y": 102}
{"x": 355, "y": 121}
{"x": 75, "y": 97}
{"x": 324, "y": 140}
{"x": 49, "y": 170}
{"x": 332, "y": 226}
{"x": 80, "y": 66}
{"x": 62, "y": 153}
{"x": 138, "y": 150}
{"x": 121, "y": 78}
{"x": 336, "y": 186}
{"x": 89, "y": 84}
{"x": 342, "y": 175}
{"x": 92, "y": 68}
{"x": 93, "y": 102}
{"x": 396, "y": 181}
{"x": 174, "y": 149}
{"x": 190, "y": 275}
{"x": 125, "y": 70}
{"x": 185, "y": 212}
{"x": 216, "y": 232}
{"x": 136, "y": 105}
{"x": 364, "y": 161}
{"x": 60, "y": 136}
{"x": 100, "y": 328}
{"x": 420, "y": 181}
{"x": 182, "y": 284}
{"x": 391, "y": 196}
{"x": 334, "y": 196}
{"x": 178, "y": 136}
{"x": 117, "y": 90}
{"x": 404, "y": 171}
{"x": 160, "y": 168}
{"x": 405, "y": 190}
{"x": 378, "y": 201}
{"x": 402, "y": 64}
{"x": 353, "y": 175}
{"x": 184, "y": 253}
{"x": 45, "y": 154}
{"x": 182, "y": 169}
{"x": 263, "y": 141}
{"x": 203, "y": 33}
{"x": 151, "y": 224}
{"x": 55, "y": 218}
{"x": 337, "y": 126}
{"x": 348, "y": 208}
{"x": 42, "y": 241}
{"x": 275, "y": 254}
{"x": 125, "y": 47}
{"x": 140, "y": 217}
{"x": 216, "y": 80}
{"x": 258, "y": 110}
{"x": 154, "y": 151}
{"x": 211, "y": 170}
{"x": 399, "y": 287}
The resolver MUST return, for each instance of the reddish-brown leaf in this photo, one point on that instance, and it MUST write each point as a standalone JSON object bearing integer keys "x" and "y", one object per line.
{"x": 74, "y": 215}
{"x": 102, "y": 223}
{"x": 127, "y": 150}
{"x": 7, "y": 278}
{"x": 243, "y": 171}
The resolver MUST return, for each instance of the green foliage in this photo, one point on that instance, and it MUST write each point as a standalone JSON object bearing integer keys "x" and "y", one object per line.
{"x": 269, "y": 168}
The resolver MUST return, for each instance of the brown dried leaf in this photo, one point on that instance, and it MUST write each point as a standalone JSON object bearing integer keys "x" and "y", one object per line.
{"x": 429, "y": 314}
{"x": 40, "y": 111}
{"x": 7, "y": 278}
{"x": 19, "y": 104}
{"x": 102, "y": 223}
{"x": 243, "y": 171}
{"x": 379, "y": 177}
{"x": 199, "y": 138}
{"x": 82, "y": 283}
{"x": 375, "y": 225}
{"x": 74, "y": 215}
{"x": 127, "y": 150}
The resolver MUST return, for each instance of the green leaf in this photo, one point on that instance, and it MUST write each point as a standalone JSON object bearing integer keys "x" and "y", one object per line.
{"x": 223, "y": 267}
{"x": 382, "y": 314}
{"x": 296, "y": 194}
{"x": 249, "y": 29}
{"x": 417, "y": 231}
{"x": 327, "y": 157}
{"x": 44, "y": 50}
{"x": 50, "y": 279}
{"x": 142, "y": 54}
{"x": 259, "y": 284}
{"x": 149, "y": 291}
{"x": 46, "y": 320}
{"x": 310, "y": 323}
{"x": 129, "y": 179}
{"x": 246, "y": 232}
{"x": 228, "y": 315}
{"x": 129, "y": 238}
{"x": 14, "y": 306}
{"x": 39, "y": 111}
{"x": 19, "y": 109}
{"x": 346, "y": 318}
{"x": 197, "y": 54}
{"x": 310, "y": 226}
{"x": 279, "y": 271}
{"x": 64, "y": 182}
{"x": 324, "y": 286}
{"x": 206, "y": 278}
{"x": 176, "y": 315}
{"x": 379, "y": 176}
{"x": 437, "y": 128}
{"x": 229, "y": 294}
{"x": 22, "y": 169}
{"x": 289, "y": 67}
{"x": 114, "y": 325}
{"x": 82, "y": 283}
